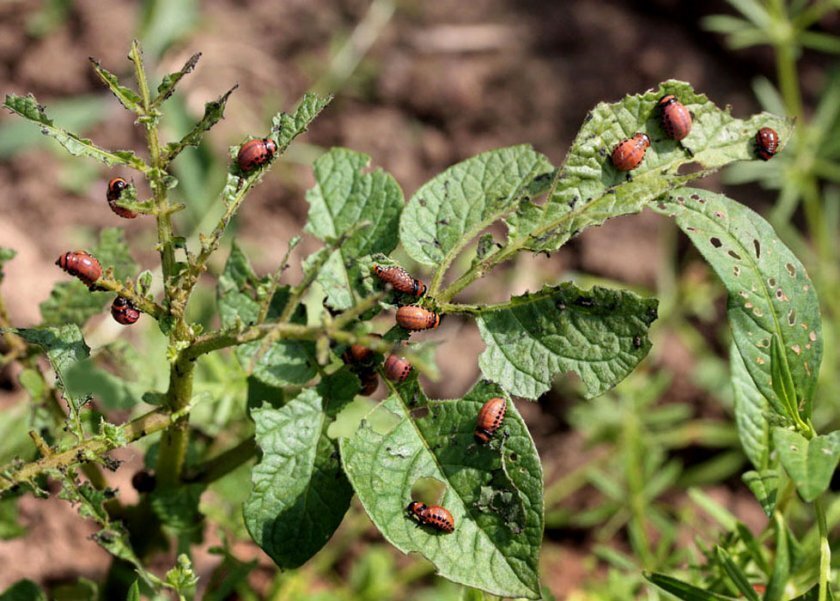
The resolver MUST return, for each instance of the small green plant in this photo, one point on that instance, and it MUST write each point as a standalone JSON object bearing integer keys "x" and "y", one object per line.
{"x": 288, "y": 340}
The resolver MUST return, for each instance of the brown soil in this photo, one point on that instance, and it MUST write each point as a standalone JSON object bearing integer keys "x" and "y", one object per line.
{"x": 443, "y": 81}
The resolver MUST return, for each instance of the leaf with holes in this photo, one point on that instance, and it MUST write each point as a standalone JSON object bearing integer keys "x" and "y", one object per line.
{"x": 588, "y": 189}
{"x": 493, "y": 491}
{"x": 240, "y": 292}
{"x": 447, "y": 212}
{"x": 809, "y": 463}
{"x": 214, "y": 111}
{"x": 28, "y": 108}
{"x": 599, "y": 334}
{"x": 64, "y": 347}
{"x": 770, "y": 293}
{"x": 300, "y": 493}
{"x": 127, "y": 97}
{"x": 167, "y": 85}
{"x": 750, "y": 413}
{"x": 344, "y": 196}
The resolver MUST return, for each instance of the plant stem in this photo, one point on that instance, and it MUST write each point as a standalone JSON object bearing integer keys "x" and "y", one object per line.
{"x": 157, "y": 173}
{"x": 174, "y": 442}
{"x": 85, "y": 451}
{"x": 825, "y": 550}
{"x": 225, "y": 462}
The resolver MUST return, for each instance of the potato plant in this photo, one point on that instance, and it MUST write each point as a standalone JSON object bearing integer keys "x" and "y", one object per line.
{"x": 289, "y": 337}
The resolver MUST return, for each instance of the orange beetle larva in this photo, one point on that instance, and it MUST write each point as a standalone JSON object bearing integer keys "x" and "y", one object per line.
{"x": 489, "y": 420}
{"x": 414, "y": 317}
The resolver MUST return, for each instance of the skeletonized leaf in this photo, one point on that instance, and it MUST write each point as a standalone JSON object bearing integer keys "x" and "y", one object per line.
{"x": 284, "y": 363}
{"x": 770, "y": 293}
{"x": 344, "y": 196}
{"x": 809, "y": 463}
{"x": 599, "y": 334}
{"x": 285, "y": 127}
{"x": 455, "y": 206}
{"x": 589, "y": 189}
{"x": 214, "y": 111}
{"x": 28, "y": 108}
{"x": 494, "y": 491}
{"x": 300, "y": 493}
{"x": 167, "y": 85}
{"x": 64, "y": 346}
{"x": 127, "y": 97}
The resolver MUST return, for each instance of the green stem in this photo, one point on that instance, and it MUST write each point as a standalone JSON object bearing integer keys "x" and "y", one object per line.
{"x": 174, "y": 442}
{"x": 224, "y": 463}
{"x": 825, "y": 550}
{"x": 85, "y": 451}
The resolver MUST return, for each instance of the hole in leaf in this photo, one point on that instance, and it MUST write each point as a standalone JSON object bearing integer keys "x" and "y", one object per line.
{"x": 689, "y": 168}
{"x": 694, "y": 197}
{"x": 428, "y": 490}
{"x": 716, "y": 242}
{"x": 796, "y": 349}
{"x": 757, "y": 245}
{"x": 792, "y": 317}
{"x": 791, "y": 269}
{"x": 758, "y": 312}
{"x": 734, "y": 255}
{"x": 771, "y": 282}
{"x": 382, "y": 421}
{"x": 419, "y": 412}
{"x": 743, "y": 293}
{"x": 812, "y": 336}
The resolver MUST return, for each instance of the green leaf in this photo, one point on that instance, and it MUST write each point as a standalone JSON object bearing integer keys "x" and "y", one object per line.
{"x": 73, "y": 302}
{"x": 64, "y": 346}
{"x": 127, "y": 97}
{"x": 6, "y": 255}
{"x": 494, "y": 492}
{"x": 23, "y": 590}
{"x": 300, "y": 493}
{"x": 10, "y": 527}
{"x": 599, "y": 334}
{"x": 809, "y": 463}
{"x": 112, "y": 251}
{"x": 338, "y": 389}
{"x": 781, "y": 379}
{"x": 133, "y": 592}
{"x": 589, "y": 190}
{"x": 736, "y": 574}
{"x": 167, "y": 86}
{"x": 214, "y": 111}
{"x": 177, "y": 508}
{"x": 447, "y": 212}
{"x": 765, "y": 486}
{"x": 770, "y": 293}
{"x": 750, "y": 412}
{"x": 683, "y": 590}
{"x": 285, "y": 127}
{"x": 344, "y": 196}
{"x": 284, "y": 363}
{"x": 781, "y": 564}
{"x": 28, "y": 108}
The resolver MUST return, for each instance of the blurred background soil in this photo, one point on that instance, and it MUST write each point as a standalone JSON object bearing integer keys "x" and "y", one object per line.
{"x": 441, "y": 81}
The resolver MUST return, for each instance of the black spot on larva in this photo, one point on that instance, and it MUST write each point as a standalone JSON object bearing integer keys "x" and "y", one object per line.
{"x": 716, "y": 242}
{"x": 585, "y": 301}
{"x": 757, "y": 245}
{"x": 734, "y": 255}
